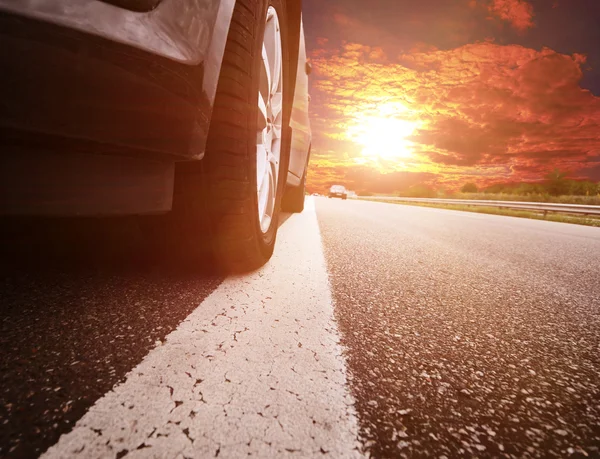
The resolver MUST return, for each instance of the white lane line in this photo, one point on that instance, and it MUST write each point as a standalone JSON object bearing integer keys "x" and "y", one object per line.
{"x": 256, "y": 369}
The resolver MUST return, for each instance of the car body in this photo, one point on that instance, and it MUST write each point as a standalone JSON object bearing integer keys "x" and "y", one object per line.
{"x": 85, "y": 71}
{"x": 109, "y": 107}
{"x": 338, "y": 191}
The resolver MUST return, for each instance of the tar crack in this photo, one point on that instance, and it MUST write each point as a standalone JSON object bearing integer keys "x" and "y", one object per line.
{"x": 186, "y": 431}
{"x": 239, "y": 331}
{"x": 280, "y": 424}
{"x": 178, "y": 403}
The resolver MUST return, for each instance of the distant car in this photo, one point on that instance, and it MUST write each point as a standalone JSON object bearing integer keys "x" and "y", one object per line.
{"x": 338, "y": 191}
{"x": 182, "y": 109}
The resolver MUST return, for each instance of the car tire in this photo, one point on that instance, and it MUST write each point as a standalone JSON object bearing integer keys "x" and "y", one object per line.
{"x": 240, "y": 238}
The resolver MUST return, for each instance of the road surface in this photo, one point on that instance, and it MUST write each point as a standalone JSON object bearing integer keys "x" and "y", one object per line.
{"x": 377, "y": 329}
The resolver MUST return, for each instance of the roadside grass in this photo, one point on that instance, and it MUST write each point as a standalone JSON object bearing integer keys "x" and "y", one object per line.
{"x": 553, "y": 217}
{"x": 533, "y": 197}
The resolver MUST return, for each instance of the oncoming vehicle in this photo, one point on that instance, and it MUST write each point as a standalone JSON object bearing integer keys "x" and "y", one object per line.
{"x": 338, "y": 191}
{"x": 176, "y": 109}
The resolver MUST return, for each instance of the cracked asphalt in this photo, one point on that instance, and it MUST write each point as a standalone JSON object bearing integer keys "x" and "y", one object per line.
{"x": 467, "y": 334}
{"x": 377, "y": 329}
{"x": 82, "y": 304}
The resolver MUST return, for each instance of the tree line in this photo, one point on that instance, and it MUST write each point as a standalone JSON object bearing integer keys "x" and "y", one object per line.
{"x": 555, "y": 183}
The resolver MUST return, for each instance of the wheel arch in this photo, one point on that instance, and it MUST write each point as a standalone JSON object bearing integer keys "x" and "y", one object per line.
{"x": 294, "y": 13}
{"x": 216, "y": 50}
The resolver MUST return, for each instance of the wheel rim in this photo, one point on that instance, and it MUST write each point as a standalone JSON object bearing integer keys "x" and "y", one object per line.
{"x": 270, "y": 119}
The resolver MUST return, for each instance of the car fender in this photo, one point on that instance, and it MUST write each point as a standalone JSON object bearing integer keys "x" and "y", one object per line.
{"x": 180, "y": 30}
{"x": 300, "y": 123}
{"x": 187, "y": 37}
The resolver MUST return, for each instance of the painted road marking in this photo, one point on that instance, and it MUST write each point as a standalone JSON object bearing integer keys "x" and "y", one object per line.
{"x": 256, "y": 369}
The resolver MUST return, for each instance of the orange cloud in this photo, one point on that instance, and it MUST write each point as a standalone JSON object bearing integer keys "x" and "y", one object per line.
{"x": 518, "y": 12}
{"x": 484, "y": 111}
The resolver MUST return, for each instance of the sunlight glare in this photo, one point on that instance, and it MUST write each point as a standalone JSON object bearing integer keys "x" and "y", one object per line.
{"x": 384, "y": 135}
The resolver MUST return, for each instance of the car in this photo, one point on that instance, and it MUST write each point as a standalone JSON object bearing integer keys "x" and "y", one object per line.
{"x": 175, "y": 109}
{"x": 338, "y": 191}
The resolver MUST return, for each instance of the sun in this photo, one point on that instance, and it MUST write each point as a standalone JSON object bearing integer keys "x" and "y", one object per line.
{"x": 383, "y": 137}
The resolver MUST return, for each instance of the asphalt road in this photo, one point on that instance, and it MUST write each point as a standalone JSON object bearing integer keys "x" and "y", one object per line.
{"x": 376, "y": 329}
{"x": 467, "y": 334}
{"x": 83, "y": 301}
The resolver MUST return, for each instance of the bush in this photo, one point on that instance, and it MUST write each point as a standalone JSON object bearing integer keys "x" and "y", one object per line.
{"x": 556, "y": 183}
{"x": 469, "y": 188}
{"x": 495, "y": 189}
{"x": 583, "y": 188}
{"x": 526, "y": 189}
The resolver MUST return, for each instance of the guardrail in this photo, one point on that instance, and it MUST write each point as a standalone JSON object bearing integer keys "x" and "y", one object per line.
{"x": 544, "y": 207}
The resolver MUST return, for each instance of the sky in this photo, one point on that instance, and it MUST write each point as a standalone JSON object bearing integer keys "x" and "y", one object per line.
{"x": 446, "y": 92}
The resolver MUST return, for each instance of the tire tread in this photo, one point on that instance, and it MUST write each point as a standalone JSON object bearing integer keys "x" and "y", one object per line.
{"x": 237, "y": 242}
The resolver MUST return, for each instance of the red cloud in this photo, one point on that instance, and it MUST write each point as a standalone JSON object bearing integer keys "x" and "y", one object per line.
{"x": 486, "y": 111}
{"x": 518, "y": 12}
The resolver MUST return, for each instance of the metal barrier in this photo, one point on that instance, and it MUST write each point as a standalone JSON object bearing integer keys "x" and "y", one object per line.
{"x": 539, "y": 206}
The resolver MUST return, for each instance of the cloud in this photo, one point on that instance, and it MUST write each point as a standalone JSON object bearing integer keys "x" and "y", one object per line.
{"x": 518, "y": 13}
{"x": 485, "y": 111}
